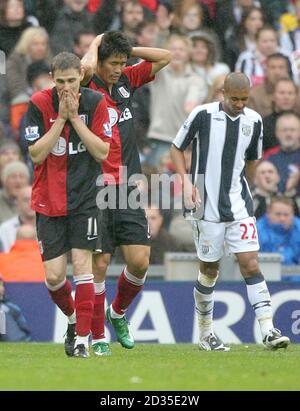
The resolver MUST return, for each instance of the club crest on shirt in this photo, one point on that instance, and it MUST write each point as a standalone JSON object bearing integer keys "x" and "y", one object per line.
{"x": 124, "y": 93}
{"x": 60, "y": 147}
{"x": 246, "y": 130}
{"x": 113, "y": 116}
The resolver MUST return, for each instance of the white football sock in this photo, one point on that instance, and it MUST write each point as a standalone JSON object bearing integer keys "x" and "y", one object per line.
{"x": 259, "y": 297}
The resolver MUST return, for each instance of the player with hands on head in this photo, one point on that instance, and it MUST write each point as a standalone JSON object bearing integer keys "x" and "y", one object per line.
{"x": 105, "y": 67}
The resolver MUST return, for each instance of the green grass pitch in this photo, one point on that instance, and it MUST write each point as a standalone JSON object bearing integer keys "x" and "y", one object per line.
{"x": 148, "y": 367}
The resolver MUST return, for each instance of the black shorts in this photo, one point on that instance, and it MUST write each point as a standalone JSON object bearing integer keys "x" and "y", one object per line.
{"x": 58, "y": 235}
{"x": 122, "y": 227}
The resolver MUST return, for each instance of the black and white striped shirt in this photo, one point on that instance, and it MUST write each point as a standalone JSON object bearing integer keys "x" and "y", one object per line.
{"x": 221, "y": 145}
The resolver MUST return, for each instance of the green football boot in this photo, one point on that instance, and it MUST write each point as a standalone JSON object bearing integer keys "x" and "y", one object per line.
{"x": 101, "y": 349}
{"x": 121, "y": 328}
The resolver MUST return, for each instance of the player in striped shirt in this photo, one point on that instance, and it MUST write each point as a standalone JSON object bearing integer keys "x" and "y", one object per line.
{"x": 227, "y": 142}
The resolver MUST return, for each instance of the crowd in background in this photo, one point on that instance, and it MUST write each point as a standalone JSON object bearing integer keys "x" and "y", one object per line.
{"x": 207, "y": 39}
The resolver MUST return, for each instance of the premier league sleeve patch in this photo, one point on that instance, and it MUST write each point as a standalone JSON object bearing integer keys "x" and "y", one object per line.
{"x": 107, "y": 129}
{"x": 32, "y": 133}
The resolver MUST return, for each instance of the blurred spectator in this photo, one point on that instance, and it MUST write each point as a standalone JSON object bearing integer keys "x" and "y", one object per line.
{"x": 146, "y": 34}
{"x": 174, "y": 94}
{"x": 279, "y": 231}
{"x": 14, "y": 176}
{"x": 147, "y": 190}
{"x": 261, "y": 96}
{"x": 265, "y": 186}
{"x": 284, "y": 99}
{"x": 132, "y": 14}
{"x": 290, "y": 40}
{"x": 182, "y": 231}
{"x": 9, "y": 151}
{"x": 188, "y": 16}
{"x": 23, "y": 262}
{"x": 25, "y": 215}
{"x": 38, "y": 78}
{"x": 155, "y": 191}
{"x": 244, "y": 35}
{"x": 253, "y": 63}
{"x": 204, "y": 58}
{"x": 287, "y": 158}
{"x": 13, "y": 21}
{"x": 16, "y": 328}
{"x": 82, "y": 42}
{"x": 273, "y": 9}
{"x": 71, "y": 19}
{"x": 164, "y": 19}
{"x": 45, "y": 11}
{"x": 215, "y": 92}
{"x": 122, "y": 15}
{"x": 161, "y": 241}
{"x": 288, "y": 20}
{"x": 6, "y": 133}
{"x": 228, "y": 17}
{"x": 107, "y": 17}
{"x": 32, "y": 46}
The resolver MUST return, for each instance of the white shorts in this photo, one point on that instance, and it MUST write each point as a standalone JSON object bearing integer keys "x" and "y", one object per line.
{"x": 212, "y": 238}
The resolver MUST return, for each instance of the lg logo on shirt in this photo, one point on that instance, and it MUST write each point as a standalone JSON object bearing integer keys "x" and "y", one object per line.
{"x": 125, "y": 115}
{"x": 113, "y": 116}
{"x": 60, "y": 147}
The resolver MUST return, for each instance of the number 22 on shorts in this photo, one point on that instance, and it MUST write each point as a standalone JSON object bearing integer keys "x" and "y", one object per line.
{"x": 248, "y": 231}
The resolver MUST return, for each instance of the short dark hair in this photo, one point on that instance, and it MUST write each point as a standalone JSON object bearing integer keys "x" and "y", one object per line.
{"x": 282, "y": 200}
{"x": 286, "y": 80}
{"x": 266, "y": 27}
{"x": 36, "y": 69}
{"x": 143, "y": 24}
{"x": 65, "y": 61}
{"x": 283, "y": 57}
{"x": 287, "y": 114}
{"x": 167, "y": 4}
{"x": 84, "y": 32}
{"x": 278, "y": 56}
{"x": 114, "y": 43}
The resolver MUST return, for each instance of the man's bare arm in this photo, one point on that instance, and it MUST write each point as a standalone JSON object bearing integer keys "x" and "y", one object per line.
{"x": 158, "y": 57}
{"x": 90, "y": 60}
{"x": 250, "y": 170}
